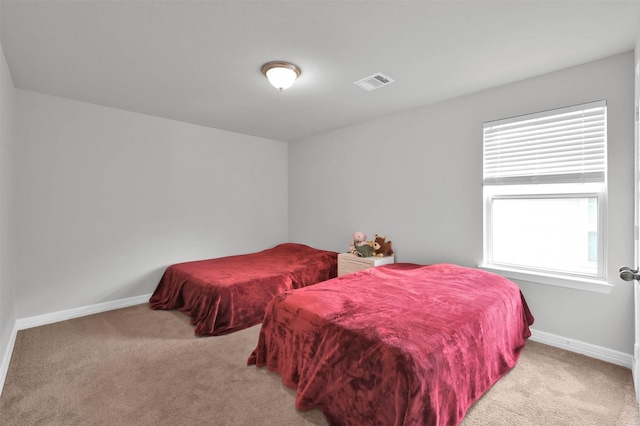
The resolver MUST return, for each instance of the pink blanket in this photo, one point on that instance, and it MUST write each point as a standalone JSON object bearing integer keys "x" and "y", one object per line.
{"x": 395, "y": 345}
{"x": 231, "y": 293}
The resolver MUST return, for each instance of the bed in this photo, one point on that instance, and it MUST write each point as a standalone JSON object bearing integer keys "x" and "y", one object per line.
{"x": 399, "y": 344}
{"x": 231, "y": 293}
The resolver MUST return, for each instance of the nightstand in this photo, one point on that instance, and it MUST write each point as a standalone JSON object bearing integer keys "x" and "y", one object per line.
{"x": 348, "y": 263}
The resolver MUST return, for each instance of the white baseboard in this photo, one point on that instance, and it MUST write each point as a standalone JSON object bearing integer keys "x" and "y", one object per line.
{"x": 38, "y": 320}
{"x": 592, "y": 351}
{"x": 6, "y": 358}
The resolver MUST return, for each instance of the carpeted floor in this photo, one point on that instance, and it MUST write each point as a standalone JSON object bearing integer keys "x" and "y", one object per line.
{"x": 135, "y": 366}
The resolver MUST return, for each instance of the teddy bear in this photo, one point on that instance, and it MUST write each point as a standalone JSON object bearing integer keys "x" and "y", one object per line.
{"x": 359, "y": 238}
{"x": 360, "y": 246}
{"x": 382, "y": 248}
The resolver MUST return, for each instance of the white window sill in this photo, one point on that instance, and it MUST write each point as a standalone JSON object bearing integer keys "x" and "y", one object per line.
{"x": 587, "y": 284}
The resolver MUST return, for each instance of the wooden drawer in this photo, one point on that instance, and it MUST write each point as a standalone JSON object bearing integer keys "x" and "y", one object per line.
{"x": 348, "y": 263}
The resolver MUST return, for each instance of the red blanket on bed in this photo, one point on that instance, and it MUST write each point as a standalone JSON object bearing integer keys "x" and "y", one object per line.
{"x": 231, "y": 293}
{"x": 395, "y": 345}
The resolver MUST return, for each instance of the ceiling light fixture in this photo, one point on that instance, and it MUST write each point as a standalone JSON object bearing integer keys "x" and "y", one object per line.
{"x": 281, "y": 74}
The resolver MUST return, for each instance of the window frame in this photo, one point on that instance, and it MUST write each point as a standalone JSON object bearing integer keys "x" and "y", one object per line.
{"x": 593, "y": 282}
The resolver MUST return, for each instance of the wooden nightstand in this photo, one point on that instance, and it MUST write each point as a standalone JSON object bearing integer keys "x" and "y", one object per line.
{"x": 348, "y": 263}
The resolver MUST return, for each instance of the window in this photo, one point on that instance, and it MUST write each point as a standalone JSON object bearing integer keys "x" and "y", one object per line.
{"x": 545, "y": 195}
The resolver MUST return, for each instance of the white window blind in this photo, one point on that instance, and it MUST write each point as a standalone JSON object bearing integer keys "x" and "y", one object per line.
{"x": 563, "y": 145}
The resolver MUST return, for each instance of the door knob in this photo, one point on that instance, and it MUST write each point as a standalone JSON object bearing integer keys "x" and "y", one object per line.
{"x": 629, "y": 274}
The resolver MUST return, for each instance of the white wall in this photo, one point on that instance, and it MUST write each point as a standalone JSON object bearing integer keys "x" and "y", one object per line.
{"x": 417, "y": 177}
{"x": 109, "y": 198}
{"x": 7, "y": 211}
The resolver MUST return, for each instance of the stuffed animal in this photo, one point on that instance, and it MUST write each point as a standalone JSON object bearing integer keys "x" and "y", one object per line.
{"x": 360, "y": 246}
{"x": 382, "y": 248}
{"x": 359, "y": 239}
{"x": 365, "y": 250}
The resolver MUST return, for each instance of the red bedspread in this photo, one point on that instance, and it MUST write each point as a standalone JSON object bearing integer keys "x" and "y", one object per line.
{"x": 231, "y": 293}
{"x": 395, "y": 345}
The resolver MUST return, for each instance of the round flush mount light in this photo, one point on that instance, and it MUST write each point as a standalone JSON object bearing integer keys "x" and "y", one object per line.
{"x": 281, "y": 74}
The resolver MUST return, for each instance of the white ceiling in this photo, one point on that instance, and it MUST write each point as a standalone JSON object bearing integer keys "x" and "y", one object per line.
{"x": 199, "y": 61}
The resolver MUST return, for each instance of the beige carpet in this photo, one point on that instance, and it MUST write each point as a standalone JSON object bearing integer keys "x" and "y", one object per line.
{"x": 136, "y": 366}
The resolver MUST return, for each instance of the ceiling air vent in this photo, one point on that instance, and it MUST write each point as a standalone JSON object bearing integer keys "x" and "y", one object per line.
{"x": 374, "y": 82}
